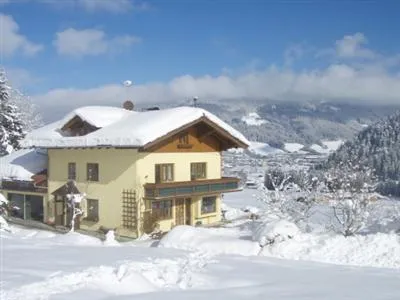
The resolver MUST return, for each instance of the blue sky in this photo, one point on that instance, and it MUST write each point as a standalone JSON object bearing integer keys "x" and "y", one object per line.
{"x": 184, "y": 47}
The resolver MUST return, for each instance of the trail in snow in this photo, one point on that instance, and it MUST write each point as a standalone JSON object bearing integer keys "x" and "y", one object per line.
{"x": 123, "y": 279}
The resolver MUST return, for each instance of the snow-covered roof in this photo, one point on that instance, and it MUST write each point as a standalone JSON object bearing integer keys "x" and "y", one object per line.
{"x": 134, "y": 130}
{"x": 23, "y": 164}
{"x": 98, "y": 116}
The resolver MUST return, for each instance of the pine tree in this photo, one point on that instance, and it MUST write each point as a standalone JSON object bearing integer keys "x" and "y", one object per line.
{"x": 11, "y": 125}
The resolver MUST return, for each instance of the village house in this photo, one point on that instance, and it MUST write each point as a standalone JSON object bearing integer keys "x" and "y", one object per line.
{"x": 136, "y": 170}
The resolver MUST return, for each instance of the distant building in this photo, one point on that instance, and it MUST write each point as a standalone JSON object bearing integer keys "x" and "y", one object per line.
{"x": 136, "y": 169}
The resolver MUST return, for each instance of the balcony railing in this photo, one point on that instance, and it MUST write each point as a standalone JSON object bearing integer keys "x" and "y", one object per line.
{"x": 191, "y": 188}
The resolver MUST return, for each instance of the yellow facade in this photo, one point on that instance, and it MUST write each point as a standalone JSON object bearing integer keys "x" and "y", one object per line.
{"x": 126, "y": 169}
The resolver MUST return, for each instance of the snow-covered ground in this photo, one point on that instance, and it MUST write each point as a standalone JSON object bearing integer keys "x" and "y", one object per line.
{"x": 41, "y": 265}
{"x": 204, "y": 263}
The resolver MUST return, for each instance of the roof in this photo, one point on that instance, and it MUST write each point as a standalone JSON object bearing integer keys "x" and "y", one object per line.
{"x": 67, "y": 188}
{"x": 98, "y": 116}
{"x": 23, "y": 164}
{"x": 133, "y": 130}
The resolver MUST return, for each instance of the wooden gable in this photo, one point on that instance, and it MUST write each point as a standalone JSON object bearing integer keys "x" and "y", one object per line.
{"x": 198, "y": 136}
{"x": 78, "y": 127}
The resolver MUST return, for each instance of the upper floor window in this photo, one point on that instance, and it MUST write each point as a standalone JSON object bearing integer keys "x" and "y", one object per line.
{"x": 164, "y": 173}
{"x": 184, "y": 139}
{"x": 92, "y": 172}
{"x": 198, "y": 171}
{"x": 71, "y": 171}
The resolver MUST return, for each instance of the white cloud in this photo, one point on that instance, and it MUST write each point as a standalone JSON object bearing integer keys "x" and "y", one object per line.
{"x": 352, "y": 46}
{"x": 115, "y": 6}
{"x": 79, "y": 43}
{"x": 12, "y": 41}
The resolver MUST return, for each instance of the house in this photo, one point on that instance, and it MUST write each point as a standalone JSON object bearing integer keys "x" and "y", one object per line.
{"x": 136, "y": 169}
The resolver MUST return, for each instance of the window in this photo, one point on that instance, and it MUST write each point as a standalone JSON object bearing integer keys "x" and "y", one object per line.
{"x": 71, "y": 171}
{"x": 198, "y": 171}
{"x": 92, "y": 172}
{"x": 209, "y": 205}
{"x": 92, "y": 211}
{"x": 162, "y": 210}
{"x": 184, "y": 139}
{"x": 164, "y": 173}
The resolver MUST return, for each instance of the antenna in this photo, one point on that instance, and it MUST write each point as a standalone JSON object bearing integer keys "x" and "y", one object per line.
{"x": 195, "y": 99}
{"x": 127, "y": 104}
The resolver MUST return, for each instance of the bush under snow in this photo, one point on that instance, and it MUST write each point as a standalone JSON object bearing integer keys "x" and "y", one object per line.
{"x": 267, "y": 233}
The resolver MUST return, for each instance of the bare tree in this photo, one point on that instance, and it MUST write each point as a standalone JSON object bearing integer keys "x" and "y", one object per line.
{"x": 74, "y": 204}
{"x": 351, "y": 191}
{"x": 291, "y": 194}
{"x": 273, "y": 193}
{"x": 305, "y": 189}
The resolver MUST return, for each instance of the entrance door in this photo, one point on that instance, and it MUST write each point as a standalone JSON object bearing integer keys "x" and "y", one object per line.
{"x": 59, "y": 213}
{"x": 188, "y": 211}
{"x": 180, "y": 211}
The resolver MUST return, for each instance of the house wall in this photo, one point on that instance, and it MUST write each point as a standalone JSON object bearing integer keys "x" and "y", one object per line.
{"x": 116, "y": 173}
{"x": 145, "y": 173}
{"x": 128, "y": 169}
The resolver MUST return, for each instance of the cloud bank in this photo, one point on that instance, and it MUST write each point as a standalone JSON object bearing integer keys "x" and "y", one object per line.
{"x": 356, "y": 73}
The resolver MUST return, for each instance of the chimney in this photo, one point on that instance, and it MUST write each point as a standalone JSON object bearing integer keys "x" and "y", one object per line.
{"x": 128, "y": 105}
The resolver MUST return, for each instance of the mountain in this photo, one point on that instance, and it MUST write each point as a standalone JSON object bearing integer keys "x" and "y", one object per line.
{"x": 310, "y": 123}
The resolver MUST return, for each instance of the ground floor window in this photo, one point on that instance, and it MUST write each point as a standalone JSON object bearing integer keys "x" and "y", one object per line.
{"x": 92, "y": 213}
{"x": 162, "y": 209}
{"x": 209, "y": 205}
{"x": 28, "y": 207}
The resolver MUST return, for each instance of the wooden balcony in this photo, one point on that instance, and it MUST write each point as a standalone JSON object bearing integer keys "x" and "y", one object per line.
{"x": 191, "y": 188}
{"x": 24, "y": 186}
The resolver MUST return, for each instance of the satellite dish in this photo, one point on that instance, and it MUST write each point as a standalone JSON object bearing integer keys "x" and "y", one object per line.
{"x": 127, "y": 83}
{"x": 128, "y": 105}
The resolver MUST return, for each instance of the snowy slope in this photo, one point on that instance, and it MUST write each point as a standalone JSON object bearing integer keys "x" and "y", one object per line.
{"x": 293, "y": 147}
{"x": 134, "y": 130}
{"x": 263, "y": 149}
{"x": 333, "y": 145}
{"x": 253, "y": 119}
{"x": 22, "y": 164}
{"x": 328, "y": 146}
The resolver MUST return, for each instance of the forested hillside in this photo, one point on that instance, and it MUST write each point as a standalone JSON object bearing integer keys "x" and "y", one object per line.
{"x": 378, "y": 148}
